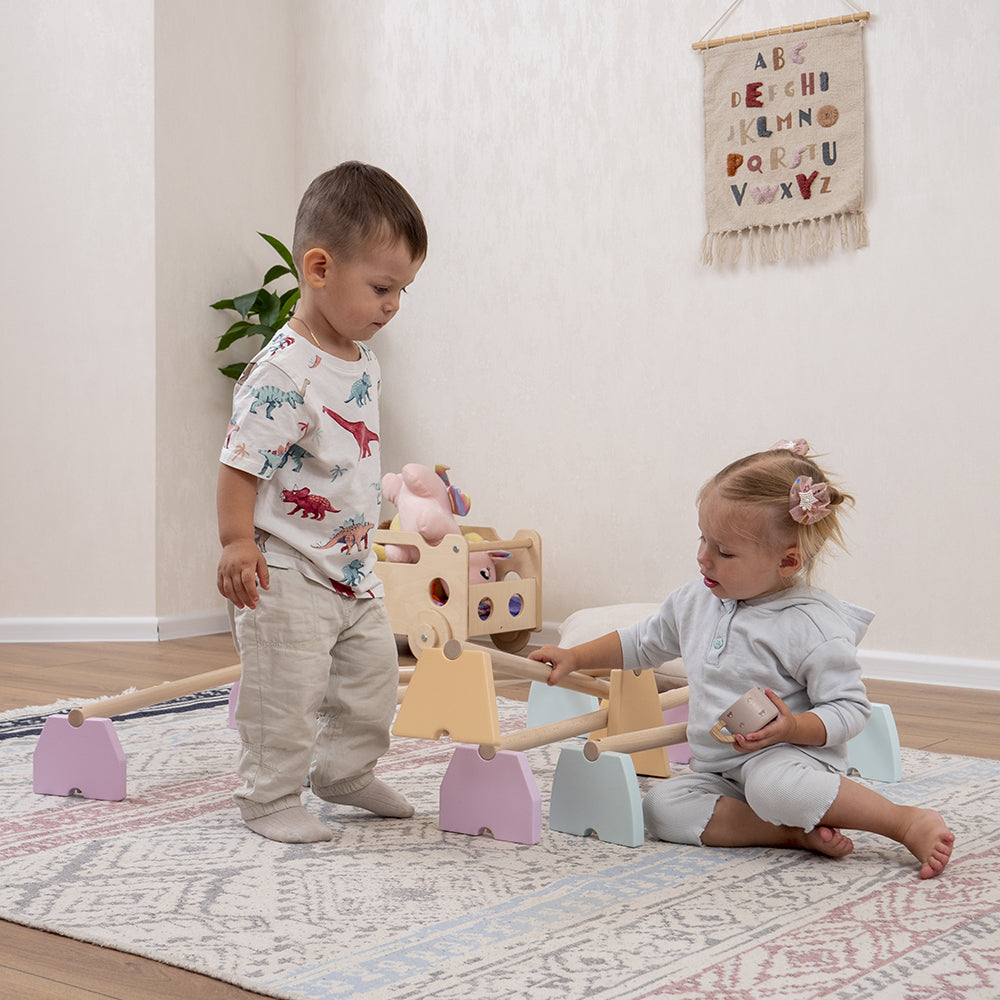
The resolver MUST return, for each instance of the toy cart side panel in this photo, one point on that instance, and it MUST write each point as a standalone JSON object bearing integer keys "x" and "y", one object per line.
{"x": 409, "y": 586}
{"x": 515, "y": 600}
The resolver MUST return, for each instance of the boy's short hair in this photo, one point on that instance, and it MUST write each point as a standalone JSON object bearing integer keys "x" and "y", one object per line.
{"x": 353, "y": 206}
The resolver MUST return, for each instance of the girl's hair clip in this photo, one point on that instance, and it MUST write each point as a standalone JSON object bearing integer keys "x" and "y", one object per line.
{"x": 810, "y": 502}
{"x": 800, "y": 446}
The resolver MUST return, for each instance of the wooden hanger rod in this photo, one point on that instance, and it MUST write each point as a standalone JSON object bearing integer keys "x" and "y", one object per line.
{"x": 786, "y": 30}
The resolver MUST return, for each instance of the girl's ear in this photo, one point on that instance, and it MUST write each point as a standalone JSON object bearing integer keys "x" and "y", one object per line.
{"x": 791, "y": 562}
{"x": 315, "y": 267}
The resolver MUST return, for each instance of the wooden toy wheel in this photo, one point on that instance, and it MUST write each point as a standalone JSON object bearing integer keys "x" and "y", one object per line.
{"x": 430, "y": 629}
{"x": 511, "y": 642}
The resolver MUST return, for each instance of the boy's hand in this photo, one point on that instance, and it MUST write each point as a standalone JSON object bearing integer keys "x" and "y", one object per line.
{"x": 241, "y": 567}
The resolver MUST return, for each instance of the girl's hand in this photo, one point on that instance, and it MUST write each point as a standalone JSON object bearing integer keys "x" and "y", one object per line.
{"x": 562, "y": 661}
{"x": 779, "y": 730}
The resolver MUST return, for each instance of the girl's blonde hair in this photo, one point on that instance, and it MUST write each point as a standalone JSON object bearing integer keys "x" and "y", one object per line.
{"x": 762, "y": 484}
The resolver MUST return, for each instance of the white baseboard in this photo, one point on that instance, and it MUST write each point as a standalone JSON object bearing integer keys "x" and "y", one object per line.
{"x": 112, "y": 629}
{"x": 907, "y": 668}
{"x": 944, "y": 671}
{"x": 186, "y": 626}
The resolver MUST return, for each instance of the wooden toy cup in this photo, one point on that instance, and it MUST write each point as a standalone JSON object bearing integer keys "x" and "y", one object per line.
{"x": 747, "y": 714}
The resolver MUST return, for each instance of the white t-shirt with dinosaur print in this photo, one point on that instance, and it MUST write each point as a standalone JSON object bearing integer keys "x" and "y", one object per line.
{"x": 306, "y": 424}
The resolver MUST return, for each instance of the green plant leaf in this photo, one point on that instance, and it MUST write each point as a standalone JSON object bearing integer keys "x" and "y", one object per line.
{"x": 282, "y": 251}
{"x": 268, "y": 307}
{"x": 244, "y": 304}
{"x": 275, "y": 272}
{"x": 235, "y": 370}
{"x": 238, "y": 330}
{"x": 223, "y": 304}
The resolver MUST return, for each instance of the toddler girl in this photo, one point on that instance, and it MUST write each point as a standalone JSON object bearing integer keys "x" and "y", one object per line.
{"x": 751, "y": 618}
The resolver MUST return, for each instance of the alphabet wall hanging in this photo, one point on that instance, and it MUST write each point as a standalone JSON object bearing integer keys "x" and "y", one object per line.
{"x": 785, "y": 141}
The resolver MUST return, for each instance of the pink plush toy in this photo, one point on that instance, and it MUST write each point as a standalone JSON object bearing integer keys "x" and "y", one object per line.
{"x": 427, "y": 503}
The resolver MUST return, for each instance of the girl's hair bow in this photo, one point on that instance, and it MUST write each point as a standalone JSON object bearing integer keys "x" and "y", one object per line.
{"x": 810, "y": 502}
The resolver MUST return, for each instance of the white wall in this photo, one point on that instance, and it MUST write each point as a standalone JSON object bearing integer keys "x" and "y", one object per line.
{"x": 145, "y": 144}
{"x": 567, "y": 354}
{"x": 77, "y": 217}
{"x": 225, "y": 152}
{"x": 563, "y": 349}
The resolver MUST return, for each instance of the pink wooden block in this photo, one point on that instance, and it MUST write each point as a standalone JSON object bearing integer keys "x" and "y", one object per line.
{"x": 498, "y": 795}
{"x": 679, "y": 753}
{"x": 88, "y": 759}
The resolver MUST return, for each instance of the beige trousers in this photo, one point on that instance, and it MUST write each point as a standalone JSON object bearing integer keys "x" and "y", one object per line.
{"x": 317, "y": 693}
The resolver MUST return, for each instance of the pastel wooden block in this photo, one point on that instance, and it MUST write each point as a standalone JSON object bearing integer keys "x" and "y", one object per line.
{"x": 87, "y": 759}
{"x": 453, "y": 696}
{"x": 874, "y": 752}
{"x": 499, "y": 795}
{"x": 679, "y": 753}
{"x": 548, "y": 704}
{"x": 599, "y": 797}
{"x": 634, "y": 704}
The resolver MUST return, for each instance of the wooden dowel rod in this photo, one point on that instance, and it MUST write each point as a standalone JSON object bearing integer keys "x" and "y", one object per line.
{"x": 530, "y": 670}
{"x": 786, "y": 29}
{"x": 564, "y": 729}
{"x": 641, "y": 739}
{"x": 109, "y": 707}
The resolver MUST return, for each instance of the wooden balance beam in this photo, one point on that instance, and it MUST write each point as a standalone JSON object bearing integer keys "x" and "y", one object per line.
{"x": 641, "y": 739}
{"x": 578, "y": 725}
{"x": 132, "y": 700}
{"x": 530, "y": 670}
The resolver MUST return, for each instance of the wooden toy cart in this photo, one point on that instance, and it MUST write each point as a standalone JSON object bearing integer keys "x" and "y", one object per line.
{"x": 432, "y": 600}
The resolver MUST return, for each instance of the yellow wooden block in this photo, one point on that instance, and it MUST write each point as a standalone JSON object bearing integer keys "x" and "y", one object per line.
{"x": 456, "y": 697}
{"x": 635, "y": 704}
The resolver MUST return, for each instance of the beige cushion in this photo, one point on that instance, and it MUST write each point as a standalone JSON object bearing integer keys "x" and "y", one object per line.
{"x": 591, "y": 623}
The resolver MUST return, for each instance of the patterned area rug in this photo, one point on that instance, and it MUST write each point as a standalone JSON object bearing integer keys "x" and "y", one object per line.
{"x": 398, "y": 910}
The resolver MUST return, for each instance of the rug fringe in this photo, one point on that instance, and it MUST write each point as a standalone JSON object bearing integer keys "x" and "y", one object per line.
{"x": 806, "y": 239}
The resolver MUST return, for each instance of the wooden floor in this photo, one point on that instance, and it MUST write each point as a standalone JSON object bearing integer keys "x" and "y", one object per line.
{"x": 39, "y": 966}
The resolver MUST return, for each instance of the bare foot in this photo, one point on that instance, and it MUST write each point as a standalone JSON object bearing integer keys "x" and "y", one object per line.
{"x": 929, "y": 840}
{"x": 827, "y": 840}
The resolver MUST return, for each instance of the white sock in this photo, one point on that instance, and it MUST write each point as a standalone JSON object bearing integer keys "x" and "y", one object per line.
{"x": 377, "y": 797}
{"x": 291, "y": 826}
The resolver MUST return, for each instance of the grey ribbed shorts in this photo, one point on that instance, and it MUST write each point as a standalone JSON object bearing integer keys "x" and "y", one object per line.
{"x": 783, "y": 785}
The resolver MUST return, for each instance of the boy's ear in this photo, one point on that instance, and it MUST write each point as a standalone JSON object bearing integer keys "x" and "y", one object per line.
{"x": 791, "y": 562}
{"x": 315, "y": 268}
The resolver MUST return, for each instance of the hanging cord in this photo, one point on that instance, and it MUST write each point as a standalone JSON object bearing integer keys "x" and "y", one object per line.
{"x": 857, "y": 15}
{"x": 722, "y": 20}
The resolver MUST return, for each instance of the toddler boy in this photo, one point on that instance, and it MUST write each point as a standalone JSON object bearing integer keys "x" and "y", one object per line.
{"x": 299, "y": 494}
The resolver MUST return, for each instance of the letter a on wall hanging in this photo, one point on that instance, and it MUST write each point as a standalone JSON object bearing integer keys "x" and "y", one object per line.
{"x": 784, "y": 141}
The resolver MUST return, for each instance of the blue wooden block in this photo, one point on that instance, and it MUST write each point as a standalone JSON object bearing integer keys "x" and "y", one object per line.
{"x": 599, "y": 797}
{"x": 874, "y": 752}
{"x": 553, "y": 704}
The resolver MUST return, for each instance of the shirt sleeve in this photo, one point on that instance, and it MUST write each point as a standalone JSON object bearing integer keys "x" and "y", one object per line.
{"x": 832, "y": 678}
{"x": 267, "y": 421}
{"x": 649, "y": 643}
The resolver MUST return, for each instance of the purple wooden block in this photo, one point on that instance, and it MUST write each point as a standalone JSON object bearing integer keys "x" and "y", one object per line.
{"x": 679, "y": 753}
{"x": 88, "y": 759}
{"x": 498, "y": 795}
